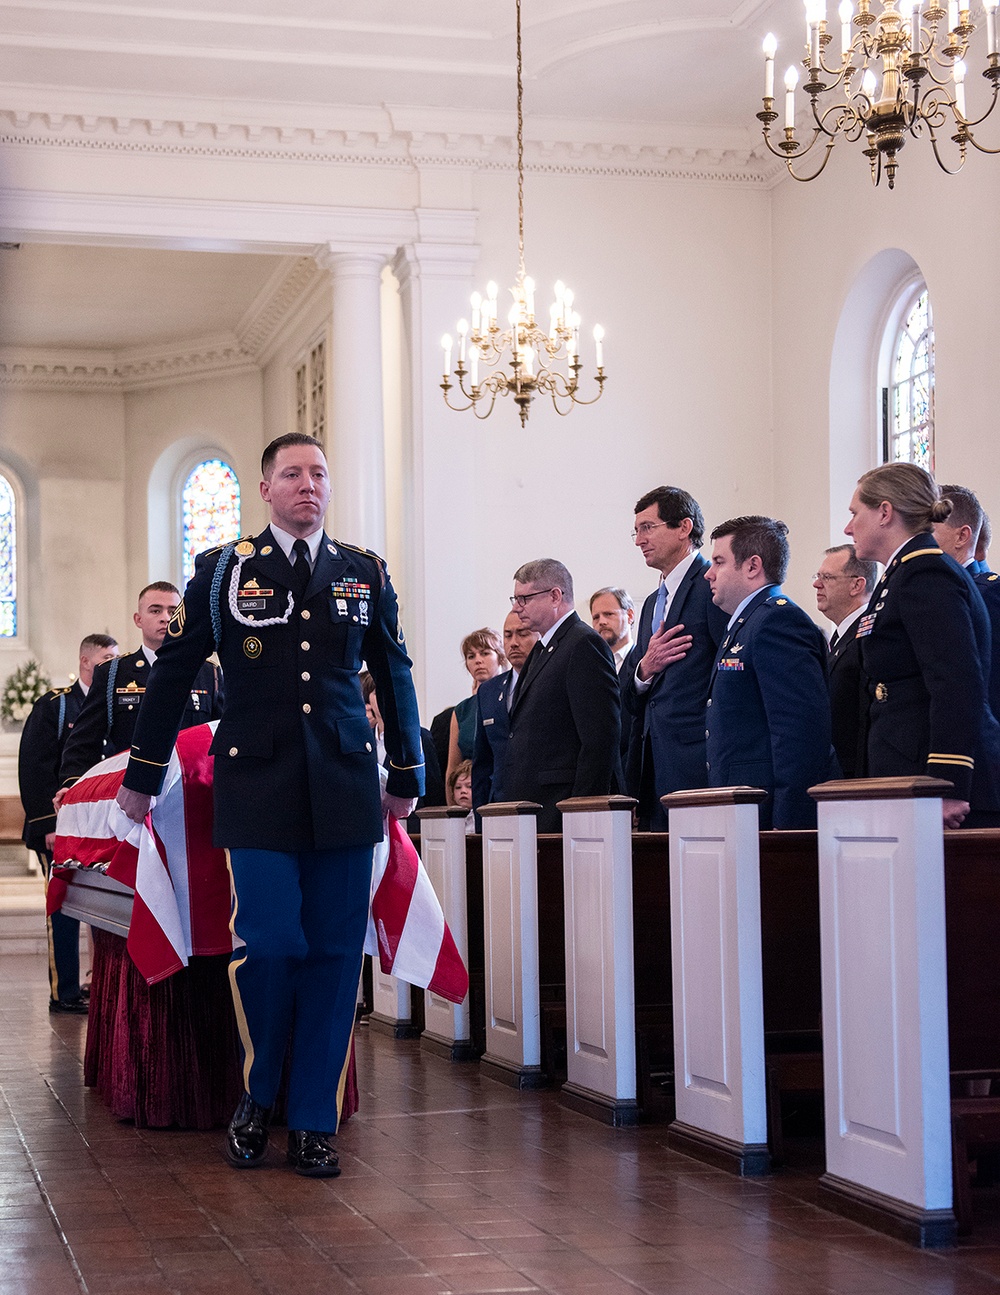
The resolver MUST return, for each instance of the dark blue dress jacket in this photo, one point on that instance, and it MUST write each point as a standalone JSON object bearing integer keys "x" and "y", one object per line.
{"x": 669, "y": 728}
{"x": 926, "y": 652}
{"x": 769, "y": 712}
{"x": 492, "y": 733}
{"x": 295, "y": 760}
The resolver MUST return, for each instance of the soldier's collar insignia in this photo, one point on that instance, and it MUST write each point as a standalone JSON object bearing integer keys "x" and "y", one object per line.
{"x": 780, "y": 602}
{"x": 330, "y": 548}
{"x": 266, "y": 550}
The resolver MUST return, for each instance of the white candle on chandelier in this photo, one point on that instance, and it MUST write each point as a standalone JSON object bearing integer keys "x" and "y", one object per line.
{"x": 576, "y": 336}
{"x": 554, "y": 319}
{"x": 913, "y": 6}
{"x": 567, "y": 306}
{"x": 463, "y": 328}
{"x": 491, "y": 293}
{"x": 952, "y": 14}
{"x": 599, "y": 345}
{"x": 959, "y": 75}
{"x": 868, "y": 85}
{"x": 991, "y": 25}
{"x": 815, "y": 14}
{"x": 791, "y": 81}
{"x": 770, "y": 49}
{"x": 477, "y": 302}
{"x": 846, "y": 13}
{"x": 446, "y": 343}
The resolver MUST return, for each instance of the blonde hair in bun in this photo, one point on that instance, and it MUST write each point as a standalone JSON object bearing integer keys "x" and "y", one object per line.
{"x": 914, "y": 494}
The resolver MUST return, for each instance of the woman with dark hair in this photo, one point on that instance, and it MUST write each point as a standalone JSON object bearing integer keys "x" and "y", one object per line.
{"x": 925, "y": 648}
{"x": 482, "y": 651}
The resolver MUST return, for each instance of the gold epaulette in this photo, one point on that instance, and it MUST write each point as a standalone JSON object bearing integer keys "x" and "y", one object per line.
{"x": 368, "y": 553}
{"x": 921, "y": 553}
{"x": 219, "y": 547}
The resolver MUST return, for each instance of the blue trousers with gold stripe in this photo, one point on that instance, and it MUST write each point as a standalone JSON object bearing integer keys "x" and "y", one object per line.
{"x": 302, "y": 917}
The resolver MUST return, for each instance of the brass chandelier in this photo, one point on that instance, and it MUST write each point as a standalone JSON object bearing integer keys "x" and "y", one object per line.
{"x": 920, "y": 87}
{"x": 532, "y": 355}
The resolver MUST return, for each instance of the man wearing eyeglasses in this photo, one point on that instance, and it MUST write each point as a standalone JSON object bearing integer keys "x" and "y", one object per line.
{"x": 843, "y": 587}
{"x": 669, "y": 672}
{"x": 565, "y": 718}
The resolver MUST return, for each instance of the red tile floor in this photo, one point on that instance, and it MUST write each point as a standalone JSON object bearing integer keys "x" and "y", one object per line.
{"x": 450, "y": 1183}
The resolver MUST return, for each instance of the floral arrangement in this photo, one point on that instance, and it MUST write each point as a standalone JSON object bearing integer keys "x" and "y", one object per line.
{"x": 22, "y": 690}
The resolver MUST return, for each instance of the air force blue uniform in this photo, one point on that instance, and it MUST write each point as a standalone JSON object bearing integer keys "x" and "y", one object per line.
{"x": 297, "y": 792}
{"x": 492, "y": 736}
{"x": 926, "y": 652}
{"x": 769, "y": 711}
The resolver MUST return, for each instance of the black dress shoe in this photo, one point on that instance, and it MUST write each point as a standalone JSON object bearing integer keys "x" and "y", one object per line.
{"x": 312, "y": 1154}
{"x": 71, "y": 1006}
{"x": 246, "y": 1139}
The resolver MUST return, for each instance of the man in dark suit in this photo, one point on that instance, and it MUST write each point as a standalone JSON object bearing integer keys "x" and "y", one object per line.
{"x": 769, "y": 712}
{"x": 844, "y": 585}
{"x": 298, "y": 801}
{"x": 495, "y": 697}
{"x": 958, "y": 536}
{"x": 565, "y": 721}
{"x": 39, "y": 753}
{"x": 667, "y": 676}
{"x": 107, "y": 719}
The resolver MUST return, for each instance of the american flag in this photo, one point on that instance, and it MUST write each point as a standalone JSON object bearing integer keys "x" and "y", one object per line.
{"x": 181, "y": 881}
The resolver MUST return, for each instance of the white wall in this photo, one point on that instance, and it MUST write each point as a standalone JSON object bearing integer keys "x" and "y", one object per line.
{"x": 824, "y": 235}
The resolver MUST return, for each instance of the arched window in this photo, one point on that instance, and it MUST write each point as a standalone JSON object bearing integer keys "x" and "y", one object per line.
{"x": 908, "y": 397}
{"x": 8, "y": 561}
{"x": 210, "y": 510}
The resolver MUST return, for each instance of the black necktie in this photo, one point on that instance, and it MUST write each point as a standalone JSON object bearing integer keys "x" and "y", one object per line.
{"x": 834, "y": 639}
{"x": 300, "y": 569}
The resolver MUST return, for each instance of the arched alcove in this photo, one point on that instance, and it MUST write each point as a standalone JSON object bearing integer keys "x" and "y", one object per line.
{"x": 855, "y": 420}
{"x": 166, "y": 483}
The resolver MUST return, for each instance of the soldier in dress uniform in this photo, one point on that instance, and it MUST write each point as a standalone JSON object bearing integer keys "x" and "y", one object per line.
{"x": 925, "y": 648}
{"x": 768, "y": 718}
{"x": 45, "y": 732}
{"x": 298, "y": 803}
{"x": 107, "y": 720}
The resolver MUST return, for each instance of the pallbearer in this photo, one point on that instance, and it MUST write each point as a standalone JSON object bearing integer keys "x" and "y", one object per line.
{"x": 297, "y": 799}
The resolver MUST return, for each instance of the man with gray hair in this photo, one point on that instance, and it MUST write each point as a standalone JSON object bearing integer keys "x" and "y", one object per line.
{"x": 565, "y": 718}
{"x": 844, "y": 585}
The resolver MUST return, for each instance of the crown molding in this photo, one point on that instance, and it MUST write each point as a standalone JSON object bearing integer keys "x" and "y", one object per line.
{"x": 393, "y": 138}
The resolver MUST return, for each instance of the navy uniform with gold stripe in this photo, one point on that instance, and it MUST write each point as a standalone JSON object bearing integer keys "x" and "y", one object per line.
{"x": 925, "y": 649}
{"x": 297, "y": 790}
{"x": 107, "y": 719}
{"x": 768, "y": 719}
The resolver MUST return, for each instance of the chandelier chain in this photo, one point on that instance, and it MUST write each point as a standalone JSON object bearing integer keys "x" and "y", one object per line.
{"x": 520, "y": 149}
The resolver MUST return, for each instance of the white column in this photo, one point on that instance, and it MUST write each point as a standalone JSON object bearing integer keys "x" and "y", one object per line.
{"x": 356, "y": 439}
{"x": 510, "y": 901}
{"x": 600, "y": 966}
{"x": 717, "y": 978}
{"x": 885, "y": 1008}
{"x": 435, "y": 283}
{"x": 442, "y": 849}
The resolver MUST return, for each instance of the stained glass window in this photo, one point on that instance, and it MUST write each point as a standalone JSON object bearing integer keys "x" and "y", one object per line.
{"x": 911, "y": 397}
{"x": 8, "y": 561}
{"x": 210, "y": 505}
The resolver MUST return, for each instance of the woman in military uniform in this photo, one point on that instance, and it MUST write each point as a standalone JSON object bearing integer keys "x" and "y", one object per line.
{"x": 925, "y": 648}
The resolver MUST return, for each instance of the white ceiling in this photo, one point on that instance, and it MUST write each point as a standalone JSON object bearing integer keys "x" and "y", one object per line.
{"x": 635, "y": 66}
{"x": 119, "y": 299}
